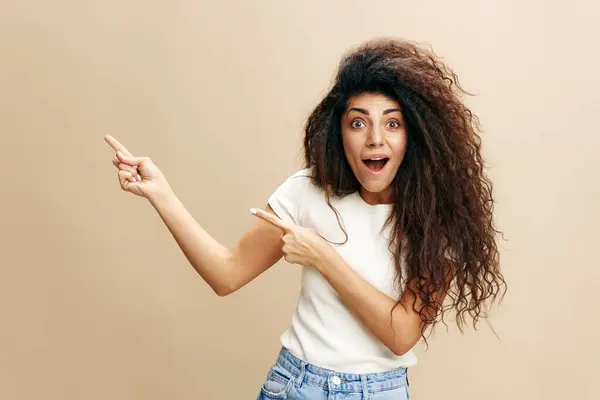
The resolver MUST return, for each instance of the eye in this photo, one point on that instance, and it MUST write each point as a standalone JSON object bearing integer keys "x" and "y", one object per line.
{"x": 394, "y": 124}
{"x": 357, "y": 124}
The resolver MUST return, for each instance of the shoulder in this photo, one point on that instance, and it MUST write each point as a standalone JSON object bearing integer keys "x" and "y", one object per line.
{"x": 302, "y": 179}
{"x": 302, "y": 173}
{"x": 299, "y": 181}
{"x": 291, "y": 198}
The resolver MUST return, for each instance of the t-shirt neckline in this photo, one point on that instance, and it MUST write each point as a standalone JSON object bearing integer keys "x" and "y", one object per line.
{"x": 372, "y": 207}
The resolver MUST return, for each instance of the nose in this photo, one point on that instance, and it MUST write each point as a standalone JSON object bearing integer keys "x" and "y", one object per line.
{"x": 375, "y": 137}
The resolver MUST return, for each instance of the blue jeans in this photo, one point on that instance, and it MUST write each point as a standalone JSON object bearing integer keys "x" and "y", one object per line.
{"x": 294, "y": 379}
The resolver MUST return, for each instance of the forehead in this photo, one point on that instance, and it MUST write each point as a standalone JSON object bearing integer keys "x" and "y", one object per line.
{"x": 372, "y": 101}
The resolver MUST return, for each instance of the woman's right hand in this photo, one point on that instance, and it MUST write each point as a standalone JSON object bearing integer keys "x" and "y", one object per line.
{"x": 137, "y": 175}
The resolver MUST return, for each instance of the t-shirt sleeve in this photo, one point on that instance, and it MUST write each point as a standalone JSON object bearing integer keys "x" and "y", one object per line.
{"x": 287, "y": 199}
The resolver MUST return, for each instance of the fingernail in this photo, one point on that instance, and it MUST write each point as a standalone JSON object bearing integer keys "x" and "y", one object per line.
{"x": 139, "y": 178}
{"x": 253, "y": 211}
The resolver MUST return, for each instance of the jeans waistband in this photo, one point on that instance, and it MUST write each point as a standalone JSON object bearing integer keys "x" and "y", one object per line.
{"x": 303, "y": 371}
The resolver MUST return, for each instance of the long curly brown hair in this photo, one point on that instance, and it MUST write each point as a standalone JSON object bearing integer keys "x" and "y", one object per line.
{"x": 443, "y": 204}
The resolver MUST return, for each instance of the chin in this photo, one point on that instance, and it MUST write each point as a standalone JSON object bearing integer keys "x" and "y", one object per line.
{"x": 374, "y": 187}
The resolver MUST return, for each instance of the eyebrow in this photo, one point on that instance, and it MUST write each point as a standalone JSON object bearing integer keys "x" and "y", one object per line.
{"x": 385, "y": 112}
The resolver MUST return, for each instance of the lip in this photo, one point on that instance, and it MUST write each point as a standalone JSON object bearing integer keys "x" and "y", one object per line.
{"x": 375, "y": 173}
{"x": 377, "y": 155}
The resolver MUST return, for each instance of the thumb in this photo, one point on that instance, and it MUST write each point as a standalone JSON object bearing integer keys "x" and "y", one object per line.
{"x": 129, "y": 160}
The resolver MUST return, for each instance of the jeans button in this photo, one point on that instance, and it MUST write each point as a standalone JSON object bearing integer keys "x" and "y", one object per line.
{"x": 336, "y": 380}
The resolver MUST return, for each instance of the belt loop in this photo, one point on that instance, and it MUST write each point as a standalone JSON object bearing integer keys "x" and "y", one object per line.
{"x": 298, "y": 380}
{"x": 365, "y": 387}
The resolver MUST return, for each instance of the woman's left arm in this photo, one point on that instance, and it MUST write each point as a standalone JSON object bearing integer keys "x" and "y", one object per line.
{"x": 306, "y": 247}
{"x": 373, "y": 307}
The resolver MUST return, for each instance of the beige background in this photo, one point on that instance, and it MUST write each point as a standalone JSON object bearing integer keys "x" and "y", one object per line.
{"x": 98, "y": 302}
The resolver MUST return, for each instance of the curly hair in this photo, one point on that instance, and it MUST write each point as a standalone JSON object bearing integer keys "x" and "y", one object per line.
{"x": 442, "y": 199}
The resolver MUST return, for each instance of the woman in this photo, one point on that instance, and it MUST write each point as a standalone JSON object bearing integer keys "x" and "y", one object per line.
{"x": 391, "y": 218}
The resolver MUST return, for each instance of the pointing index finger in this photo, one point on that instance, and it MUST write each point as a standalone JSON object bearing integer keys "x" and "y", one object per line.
{"x": 116, "y": 145}
{"x": 270, "y": 218}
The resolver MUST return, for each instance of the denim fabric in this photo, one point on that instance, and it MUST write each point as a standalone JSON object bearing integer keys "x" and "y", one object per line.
{"x": 293, "y": 379}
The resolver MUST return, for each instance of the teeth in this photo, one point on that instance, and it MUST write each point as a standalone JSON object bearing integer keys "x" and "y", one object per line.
{"x": 376, "y": 159}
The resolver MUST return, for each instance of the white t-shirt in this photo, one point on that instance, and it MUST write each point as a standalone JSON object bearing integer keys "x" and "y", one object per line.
{"x": 324, "y": 332}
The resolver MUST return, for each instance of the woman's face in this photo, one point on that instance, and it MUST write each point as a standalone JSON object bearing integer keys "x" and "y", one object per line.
{"x": 374, "y": 137}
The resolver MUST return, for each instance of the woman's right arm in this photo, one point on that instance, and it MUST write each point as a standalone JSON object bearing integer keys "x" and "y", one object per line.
{"x": 225, "y": 270}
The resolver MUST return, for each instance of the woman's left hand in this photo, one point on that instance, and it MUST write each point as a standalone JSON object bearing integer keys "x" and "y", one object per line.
{"x": 301, "y": 245}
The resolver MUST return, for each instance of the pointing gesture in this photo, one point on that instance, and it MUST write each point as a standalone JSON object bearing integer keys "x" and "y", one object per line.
{"x": 272, "y": 219}
{"x": 137, "y": 175}
{"x": 301, "y": 245}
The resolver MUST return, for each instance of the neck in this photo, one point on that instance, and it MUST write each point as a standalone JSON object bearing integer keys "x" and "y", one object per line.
{"x": 383, "y": 197}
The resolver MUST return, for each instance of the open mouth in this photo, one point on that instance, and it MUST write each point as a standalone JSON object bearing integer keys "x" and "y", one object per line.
{"x": 376, "y": 164}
